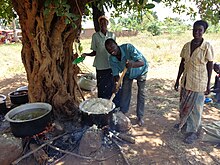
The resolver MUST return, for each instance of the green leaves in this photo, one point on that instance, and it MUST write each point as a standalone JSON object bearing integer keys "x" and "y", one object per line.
{"x": 62, "y": 9}
{"x": 150, "y": 6}
{"x": 207, "y": 9}
{"x": 158, "y": 1}
{"x": 7, "y": 13}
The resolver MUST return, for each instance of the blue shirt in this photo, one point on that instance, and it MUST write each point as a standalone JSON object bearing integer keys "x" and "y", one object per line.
{"x": 130, "y": 53}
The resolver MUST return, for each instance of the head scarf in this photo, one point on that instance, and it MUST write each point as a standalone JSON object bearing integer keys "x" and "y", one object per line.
{"x": 201, "y": 23}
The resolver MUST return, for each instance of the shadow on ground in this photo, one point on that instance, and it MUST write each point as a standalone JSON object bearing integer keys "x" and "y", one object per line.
{"x": 157, "y": 142}
{"x": 8, "y": 85}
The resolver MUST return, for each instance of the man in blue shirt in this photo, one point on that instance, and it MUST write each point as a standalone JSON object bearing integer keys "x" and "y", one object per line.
{"x": 128, "y": 56}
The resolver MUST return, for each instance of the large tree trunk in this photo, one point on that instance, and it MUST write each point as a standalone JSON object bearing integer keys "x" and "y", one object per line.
{"x": 96, "y": 14}
{"x": 47, "y": 54}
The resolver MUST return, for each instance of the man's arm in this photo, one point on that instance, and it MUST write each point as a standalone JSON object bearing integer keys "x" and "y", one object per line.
{"x": 93, "y": 53}
{"x": 134, "y": 64}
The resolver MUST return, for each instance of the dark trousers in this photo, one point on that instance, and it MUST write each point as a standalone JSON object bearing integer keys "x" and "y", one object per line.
{"x": 127, "y": 92}
{"x": 105, "y": 84}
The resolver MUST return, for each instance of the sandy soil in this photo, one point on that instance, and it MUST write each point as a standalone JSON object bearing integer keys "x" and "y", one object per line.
{"x": 157, "y": 142}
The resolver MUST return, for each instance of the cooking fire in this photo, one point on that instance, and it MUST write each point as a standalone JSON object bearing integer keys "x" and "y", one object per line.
{"x": 91, "y": 141}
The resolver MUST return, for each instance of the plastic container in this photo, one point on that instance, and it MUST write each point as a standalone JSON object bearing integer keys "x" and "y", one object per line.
{"x": 78, "y": 60}
{"x": 208, "y": 100}
{"x": 87, "y": 82}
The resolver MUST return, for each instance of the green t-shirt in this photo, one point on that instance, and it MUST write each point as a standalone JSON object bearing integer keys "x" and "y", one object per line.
{"x": 101, "y": 60}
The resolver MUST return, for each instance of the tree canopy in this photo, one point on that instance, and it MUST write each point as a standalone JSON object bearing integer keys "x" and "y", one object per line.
{"x": 208, "y": 9}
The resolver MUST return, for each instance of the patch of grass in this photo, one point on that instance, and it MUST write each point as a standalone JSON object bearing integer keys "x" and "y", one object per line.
{"x": 163, "y": 48}
{"x": 11, "y": 62}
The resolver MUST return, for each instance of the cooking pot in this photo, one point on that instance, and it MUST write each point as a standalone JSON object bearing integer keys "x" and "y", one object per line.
{"x": 3, "y": 108}
{"x": 29, "y": 119}
{"x": 100, "y": 119}
{"x": 19, "y": 97}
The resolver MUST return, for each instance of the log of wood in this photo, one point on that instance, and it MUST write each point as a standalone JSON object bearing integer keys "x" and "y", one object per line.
{"x": 81, "y": 156}
{"x": 40, "y": 155}
{"x": 121, "y": 151}
{"x": 31, "y": 152}
{"x": 127, "y": 138}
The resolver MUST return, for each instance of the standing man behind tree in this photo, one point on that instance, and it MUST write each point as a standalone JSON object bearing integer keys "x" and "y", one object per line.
{"x": 105, "y": 79}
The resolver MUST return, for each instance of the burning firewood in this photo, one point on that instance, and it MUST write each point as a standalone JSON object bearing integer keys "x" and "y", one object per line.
{"x": 40, "y": 156}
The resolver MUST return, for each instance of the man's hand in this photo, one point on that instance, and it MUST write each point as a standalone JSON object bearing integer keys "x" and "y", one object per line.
{"x": 83, "y": 55}
{"x": 129, "y": 64}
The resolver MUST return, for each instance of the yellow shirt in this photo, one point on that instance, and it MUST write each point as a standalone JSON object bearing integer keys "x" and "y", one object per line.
{"x": 195, "y": 71}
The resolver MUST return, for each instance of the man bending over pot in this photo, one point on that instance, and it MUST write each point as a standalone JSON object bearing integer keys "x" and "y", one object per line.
{"x": 128, "y": 56}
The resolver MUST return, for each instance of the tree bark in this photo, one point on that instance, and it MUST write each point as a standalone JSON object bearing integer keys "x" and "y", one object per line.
{"x": 96, "y": 14}
{"x": 47, "y": 54}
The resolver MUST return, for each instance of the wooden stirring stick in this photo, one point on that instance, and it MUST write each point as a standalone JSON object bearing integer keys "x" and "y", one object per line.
{"x": 119, "y": 83}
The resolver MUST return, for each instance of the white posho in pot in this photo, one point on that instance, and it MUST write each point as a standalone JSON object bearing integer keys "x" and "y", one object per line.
{"x": 97, "y": 106}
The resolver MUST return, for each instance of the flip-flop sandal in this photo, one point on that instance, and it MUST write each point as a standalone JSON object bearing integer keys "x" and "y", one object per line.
{"x": 176, "y": 126}
{"x": 191, "y": 138}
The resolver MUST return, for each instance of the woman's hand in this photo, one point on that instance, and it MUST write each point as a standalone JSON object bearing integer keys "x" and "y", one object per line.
{"x": 207, "y": 91}
{"x": 176, "y": 86}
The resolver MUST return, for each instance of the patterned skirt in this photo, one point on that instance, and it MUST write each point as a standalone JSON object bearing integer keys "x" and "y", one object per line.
{"x": 191, "y": 108}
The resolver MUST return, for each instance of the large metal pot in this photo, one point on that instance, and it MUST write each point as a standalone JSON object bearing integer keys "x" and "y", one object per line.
{"x": 29, "y": 119}
{"x": 99, "y": 119}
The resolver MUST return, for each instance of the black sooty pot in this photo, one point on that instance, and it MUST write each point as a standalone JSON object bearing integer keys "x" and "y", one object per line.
{"x": 3, "y": 108}
{"x": 19, "y": 97}
{"x": 29, "y": 119}
{"x": 99, "y": 119}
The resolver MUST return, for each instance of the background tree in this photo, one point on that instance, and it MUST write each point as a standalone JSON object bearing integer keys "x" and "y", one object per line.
{"x": 208, "y": 9}
{"x": 49, "y": 29}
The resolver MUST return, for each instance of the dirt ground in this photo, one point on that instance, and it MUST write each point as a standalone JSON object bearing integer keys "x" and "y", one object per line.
{"x": 157, "y": 142}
